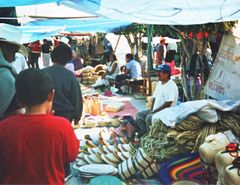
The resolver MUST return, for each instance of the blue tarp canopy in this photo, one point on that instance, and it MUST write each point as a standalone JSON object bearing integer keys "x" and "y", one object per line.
{"x": 182, "y": 12}
{"x": 37, "y": 30}
{"x": 174, "y": 12}
{"x": 12, "y": 3}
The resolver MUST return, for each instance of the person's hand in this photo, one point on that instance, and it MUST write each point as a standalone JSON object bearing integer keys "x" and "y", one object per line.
{"x": 76, "y": 122}
{"x": 104, "y": 75}
{"x": 152, "y": 112}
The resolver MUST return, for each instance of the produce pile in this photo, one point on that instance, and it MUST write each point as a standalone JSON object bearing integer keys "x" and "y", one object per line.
{"x": 163, "y": 142}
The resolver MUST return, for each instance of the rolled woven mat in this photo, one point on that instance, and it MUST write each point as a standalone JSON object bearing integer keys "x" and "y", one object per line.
{"x": 163, "y": 142}
{"x": 230, "y": 121}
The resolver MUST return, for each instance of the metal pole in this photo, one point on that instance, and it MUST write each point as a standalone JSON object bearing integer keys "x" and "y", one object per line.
{"x": 149, "y": 47}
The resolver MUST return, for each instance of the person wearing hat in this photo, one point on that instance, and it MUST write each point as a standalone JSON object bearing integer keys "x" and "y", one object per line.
{"x": 165, "y": 95}
{"x": 161, "y": 51}
{"x": 8, "y": 48}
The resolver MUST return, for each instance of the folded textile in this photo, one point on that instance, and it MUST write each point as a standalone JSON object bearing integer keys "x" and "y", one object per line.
{"x": 183, "y": 167}
{"x": 173, "y": 115}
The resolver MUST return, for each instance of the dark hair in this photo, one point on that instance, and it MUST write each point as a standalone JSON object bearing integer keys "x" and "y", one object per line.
{"x": 129, "y": 56}
{"x": 169, "y": 75}
{"x": 61, "y": 54}
{"x": 33, "y": 87}
{"x": 114, "y": 57}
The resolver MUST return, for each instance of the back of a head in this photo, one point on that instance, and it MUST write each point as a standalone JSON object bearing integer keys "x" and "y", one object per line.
{"x": 129, "y": 56}
{"x": 33, "y": 87}
{"x": 61, "y": 54}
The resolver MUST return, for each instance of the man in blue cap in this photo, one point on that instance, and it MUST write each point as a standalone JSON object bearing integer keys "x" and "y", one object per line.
{"x": 165, "y": 95}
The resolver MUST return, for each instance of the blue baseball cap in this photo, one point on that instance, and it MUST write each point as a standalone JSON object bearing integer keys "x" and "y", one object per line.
{"x": 163, "y": 68}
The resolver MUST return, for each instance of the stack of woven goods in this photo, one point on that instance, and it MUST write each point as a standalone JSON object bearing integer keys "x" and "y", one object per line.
{"x": 88, "y": 76}
{"x": 110, "y": 149}
{"x": 164, "y": 142}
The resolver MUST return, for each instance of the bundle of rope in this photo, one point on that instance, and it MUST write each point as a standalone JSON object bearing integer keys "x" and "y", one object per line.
{"x": 163, "y": 142}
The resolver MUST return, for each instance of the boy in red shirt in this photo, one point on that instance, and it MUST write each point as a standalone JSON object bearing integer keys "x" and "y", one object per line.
{"x": 35, "y": 146}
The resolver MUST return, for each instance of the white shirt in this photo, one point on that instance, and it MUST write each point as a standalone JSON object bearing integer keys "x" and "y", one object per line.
{"x": 117, "y": 70}
{"x": 172, "y": 46}
{"x": 135, "y": 69}
{"x": 167, "y": 92}
{"x": 70, "y": 67}
{"x": 20, "y": 63}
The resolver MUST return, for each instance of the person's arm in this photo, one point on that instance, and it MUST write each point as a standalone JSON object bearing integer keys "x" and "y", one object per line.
{"x": 164, "y": 51}
{"x": 71, "y": 145}
{"x": 7, "y": 92}
{"x": 153, "y": 101}
{"x": 114, "y": 67}
{"x": 127, "y": 69}
{"x": 164, "y": 106}
{"x": 76, "y": 100}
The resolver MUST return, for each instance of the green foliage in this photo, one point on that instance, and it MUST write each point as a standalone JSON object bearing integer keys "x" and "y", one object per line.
{"x": 133, "y": 29}
{"x": 174, "y": 31}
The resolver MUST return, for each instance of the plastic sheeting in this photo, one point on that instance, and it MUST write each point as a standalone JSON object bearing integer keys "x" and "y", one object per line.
{"x": 80, "y": 25}
{"x": 181, "y": 12}
{"x": 30, "y": 34}
{"x": 173, "y": 12}
{"x": 12, "y": 3}
{"x": 38, "y": 30}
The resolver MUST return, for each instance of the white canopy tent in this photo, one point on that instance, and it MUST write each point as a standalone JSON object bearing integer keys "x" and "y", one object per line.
{"x": 171, "y": 12}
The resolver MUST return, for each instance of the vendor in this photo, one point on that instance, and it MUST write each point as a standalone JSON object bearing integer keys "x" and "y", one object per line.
{"x": 165, "y": 95}
{"x": 132, "y": 71}
{"x": 112, "y": 71}
{"x": 8, "y": 49}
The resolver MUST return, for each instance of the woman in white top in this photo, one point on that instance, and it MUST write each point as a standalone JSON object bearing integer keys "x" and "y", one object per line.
{"x": 112, "y": 71}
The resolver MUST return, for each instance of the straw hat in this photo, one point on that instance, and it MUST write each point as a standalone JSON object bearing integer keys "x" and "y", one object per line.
{"x": 116, "y": 122}
{"x": 142, "y": 160}
{"x": 100, "y": 67}
{"x": 96, "y": 150}
{"x": 12, "y": 35}
{"x": 119, "y": 140}
{"x": 124, "y": 155}
{"x": 64, "y": 40}
{"x": 126, "y": 169}
{"x": 151, "y": 170}
{"x": 93, "y": 159}
{"x": 104, "y": 122}
{"x": 101, "y": 72}
{"x": 90, "y": 122}
{"x": 212, "y": 145}
{"x": 111, "y": 159}
{"x": 110, "y": 149}
{"x": 126, "y": 147}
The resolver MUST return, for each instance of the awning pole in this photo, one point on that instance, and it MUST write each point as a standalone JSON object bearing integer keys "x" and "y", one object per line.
{"x": 149, "y": 47}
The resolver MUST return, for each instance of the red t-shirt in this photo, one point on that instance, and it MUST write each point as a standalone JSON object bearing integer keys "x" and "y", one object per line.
{"x": 35, "y": 47}
{"x": 34, "y": 149}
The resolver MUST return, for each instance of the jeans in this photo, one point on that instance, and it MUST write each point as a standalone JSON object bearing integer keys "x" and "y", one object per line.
{"x": 143, "y": 121}
{"x": 34, "y": 60}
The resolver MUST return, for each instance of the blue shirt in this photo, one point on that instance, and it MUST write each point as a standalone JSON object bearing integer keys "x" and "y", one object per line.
{"x": 134, "y": 68}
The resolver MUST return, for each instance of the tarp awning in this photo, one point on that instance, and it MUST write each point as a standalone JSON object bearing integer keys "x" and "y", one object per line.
{"x": 181, "y": 12}
{"x": 174, "y": 12}
{"x": 38, "y": 30}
